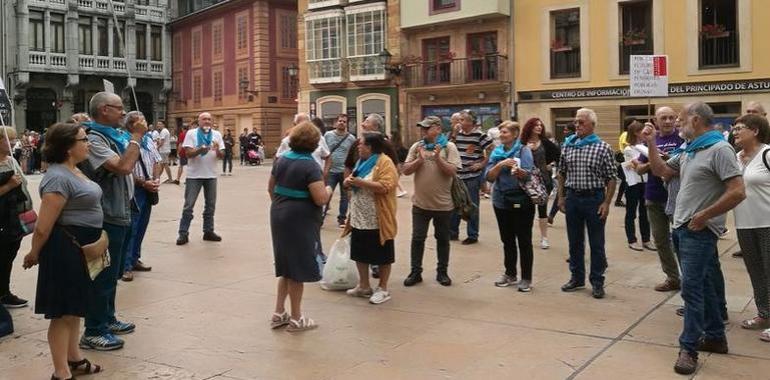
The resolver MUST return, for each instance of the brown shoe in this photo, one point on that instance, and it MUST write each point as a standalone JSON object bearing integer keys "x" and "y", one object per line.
{"x": 140, "y": 267}
{"x": 686, "y": 364}
{"x": 128, "y": 276}
{"x": 667, "y": 286}
{"x": 717, "y": 346}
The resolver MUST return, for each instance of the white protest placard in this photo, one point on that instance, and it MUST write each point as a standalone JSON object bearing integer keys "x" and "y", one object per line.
{"x": 108, "y": 86}
{"x": 649, "y": 75}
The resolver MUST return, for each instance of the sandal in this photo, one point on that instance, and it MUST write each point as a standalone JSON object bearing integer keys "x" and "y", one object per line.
{"x": 756, "y": 323}
{"x": 303, "y": 324}
{"x": 279, "y": 320}
{"x": 84, "y": 367}
{"x": 765, "y": 335}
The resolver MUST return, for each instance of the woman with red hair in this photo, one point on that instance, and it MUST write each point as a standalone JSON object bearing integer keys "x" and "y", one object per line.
{"x": 546, "y": 154}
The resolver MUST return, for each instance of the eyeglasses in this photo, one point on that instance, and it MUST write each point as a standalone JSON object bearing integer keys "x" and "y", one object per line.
{"x": 739, "y": 128}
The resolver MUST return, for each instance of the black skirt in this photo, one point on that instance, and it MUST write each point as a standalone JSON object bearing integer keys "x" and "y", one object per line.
{"x": 365, "y": 248}
{"x": 63, "y": 284}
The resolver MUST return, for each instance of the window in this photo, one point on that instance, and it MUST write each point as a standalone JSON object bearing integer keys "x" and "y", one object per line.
{"x": 440, "y": 6}
{"x": 36, "y": 31}
{"x": 718, "y": 34}
{"x": 562, "y": 118}
{"x": 289, "y": 84}
{"x": 438, "y": 63}
{"x": 324, "y": 49}
{"x": 103, "y": 37}
{"x": 156, "y": 37}
{"x": 565, "y": 43}
{"x": 241, "y": 31}
{"x": 85, "y": 36}
{"x": 196, "y": 47}
{"x": 217, "y": 82}
{"x": 243, "y": 82}
{"x": 216, "y": 38}
{"x": 177, "y": 89}
{"x": 196, "y": 88}
{"x": 177, "y": 58}
{"x": 366, "y": 39}
{"x": 57, "y": 33}
{"x": 118, "y": 46}
{"x": 482, "y": 56}
{"x": 288, "y": 31}
{"x": 636, "y": 31}
{"x": 141, "y": 41}
{"x": 330, "y": 107}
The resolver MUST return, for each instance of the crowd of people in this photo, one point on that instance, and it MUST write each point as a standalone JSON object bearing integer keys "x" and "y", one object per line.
{"x": 681, "y": 177}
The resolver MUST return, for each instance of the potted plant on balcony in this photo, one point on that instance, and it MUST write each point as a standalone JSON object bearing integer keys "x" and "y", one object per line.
{"x": 558, "y": 45}
{"x": 634, "y": 37}
{"x": 714, "y": 31}
{"x": 448, "y": 56}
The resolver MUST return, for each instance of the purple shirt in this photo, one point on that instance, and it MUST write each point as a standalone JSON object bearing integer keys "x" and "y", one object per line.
{"x": 654, "y": 190}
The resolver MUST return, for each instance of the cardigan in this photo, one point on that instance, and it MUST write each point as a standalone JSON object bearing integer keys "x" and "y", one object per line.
{"x": 385, "y": 173}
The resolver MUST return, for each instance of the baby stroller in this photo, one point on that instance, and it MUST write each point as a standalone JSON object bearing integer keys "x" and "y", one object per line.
{"x": 254, "y": 154}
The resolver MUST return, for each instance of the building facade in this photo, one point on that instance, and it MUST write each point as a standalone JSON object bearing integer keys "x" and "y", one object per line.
{"x": 575, "y": 53}
{"x": 58, "y": 51}
{"x": 234, "y": 59}
{"x": 456, "y": 55}
{"x": 340, "y": 66}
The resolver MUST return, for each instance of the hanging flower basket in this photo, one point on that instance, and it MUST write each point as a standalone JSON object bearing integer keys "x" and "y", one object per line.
{"x": 634, "y": 37}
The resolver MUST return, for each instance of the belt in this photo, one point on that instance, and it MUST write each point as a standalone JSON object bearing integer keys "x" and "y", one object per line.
{"x": 585, "y": 193}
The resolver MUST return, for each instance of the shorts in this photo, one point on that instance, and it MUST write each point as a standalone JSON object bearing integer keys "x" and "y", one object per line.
{"x": 164, "y": 158}
{"x": 182, "y": 160}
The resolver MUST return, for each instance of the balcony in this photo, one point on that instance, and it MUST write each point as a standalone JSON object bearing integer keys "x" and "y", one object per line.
{"x": 326, "y": 71}
{"x": 565, "y": 62}
{"x": 366, "y": 68}
{"x": 719, "y": 50}
{"x": 315, "y": 4}
{"x": 39, "y": 59}
{"x": 632, "y": 48}
{"x": 485, "y": 69}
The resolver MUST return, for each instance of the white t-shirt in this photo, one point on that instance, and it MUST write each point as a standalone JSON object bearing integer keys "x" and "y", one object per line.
{"x": 319, "y": 154}
{"x": 165, "y": 146}
{"x": 204, "y": 166}
{"x": 754, "y": 210}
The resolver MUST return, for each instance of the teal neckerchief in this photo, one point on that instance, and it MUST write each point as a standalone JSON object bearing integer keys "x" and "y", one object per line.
{"x": 204, "y": 138}
{"x": 499, "y": 153}
{"x": 291, "y": 193}
{"x": 441, "y": 141}
{"x": 118, "y": 137}
{"x": 703, "y": 141}
{"x": 363, "y": 168}
{"x": 292, "y": 155}
{"x": 575, "y": 142}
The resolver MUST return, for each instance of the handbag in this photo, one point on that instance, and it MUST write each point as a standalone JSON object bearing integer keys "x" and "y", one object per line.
{"x": 27, "y": 218}
{"x": 534, "y": 186}
{"x": 96, "y": 254}
{"x": 153, "y": 198}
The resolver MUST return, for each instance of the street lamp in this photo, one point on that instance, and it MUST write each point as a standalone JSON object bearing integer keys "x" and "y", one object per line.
{"x": 244, "y": 83}
{"x": 385, "y": 58}
{"x": 293, "y": 70}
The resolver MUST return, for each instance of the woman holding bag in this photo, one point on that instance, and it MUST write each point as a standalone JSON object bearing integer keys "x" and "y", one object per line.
{"x": 70, "y": 217}
{"x": 508, "y": 164}
{"x": 372, "y": 219}
{"x": 14, "y": 199}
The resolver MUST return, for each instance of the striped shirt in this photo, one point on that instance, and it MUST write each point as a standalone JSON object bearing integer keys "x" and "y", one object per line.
{"x": 587, "y": 168}
{"x": 471, "y": 147}
{"x": 150, "y": 157}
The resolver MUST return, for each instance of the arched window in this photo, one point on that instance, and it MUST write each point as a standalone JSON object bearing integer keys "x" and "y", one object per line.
{"x": 374, "y": 103}
{"x": 329, "y": 107}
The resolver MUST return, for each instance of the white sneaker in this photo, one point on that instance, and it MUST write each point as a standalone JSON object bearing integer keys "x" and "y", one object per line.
{"x": 379, "y": 296}
{"x": 401, "y": 194}
{"x": 358, "y": 292}
{"x": 544, "y": 244}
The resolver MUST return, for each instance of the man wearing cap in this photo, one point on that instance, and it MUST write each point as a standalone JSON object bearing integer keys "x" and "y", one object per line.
{"x": 434, "y": 161}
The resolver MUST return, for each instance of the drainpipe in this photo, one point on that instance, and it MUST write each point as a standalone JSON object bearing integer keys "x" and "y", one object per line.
{"x": 512, "y": 62}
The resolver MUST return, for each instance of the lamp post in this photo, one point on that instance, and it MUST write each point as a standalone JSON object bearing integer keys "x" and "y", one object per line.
{"x": 394, "y": 70}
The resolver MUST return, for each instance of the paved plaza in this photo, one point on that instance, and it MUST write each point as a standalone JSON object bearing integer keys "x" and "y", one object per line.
{"x": 202, "y": 313}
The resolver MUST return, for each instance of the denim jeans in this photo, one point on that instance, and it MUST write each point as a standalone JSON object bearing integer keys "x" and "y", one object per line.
{"x": 634, "y": 204}
{"x": 420, "y": 221}
{"x": 140, "y": 219}
{"x": 333, "y": 180}
{"x": 700, "y": 283}
{"x": 191, "y": 191}
{"x": 474, "y": 186}
{"x": 101, "y": 310}
{"x": 582, "y": 214}
{"x": 227, "y": 160}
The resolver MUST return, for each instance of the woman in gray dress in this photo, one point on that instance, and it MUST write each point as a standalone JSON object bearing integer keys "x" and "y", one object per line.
{"x": 298, "y": 192}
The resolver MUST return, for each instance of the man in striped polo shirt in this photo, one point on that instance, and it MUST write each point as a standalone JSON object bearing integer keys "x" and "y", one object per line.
{"x": 473, "y": 145}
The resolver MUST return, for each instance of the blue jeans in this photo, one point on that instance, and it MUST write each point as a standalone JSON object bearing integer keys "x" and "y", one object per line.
{"x": 635, "y": 203}
{"x": 192, "y": 189}
{"x": 582, "y": 214}
{"x": 333, "y": 180}
{"x": 474, "y": 186}
{"x": 700, "y": 281}
{"x": 140, "y": 219}
{"x": 101, "y": 311}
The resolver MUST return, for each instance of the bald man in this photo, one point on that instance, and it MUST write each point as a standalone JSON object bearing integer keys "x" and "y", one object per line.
{"x": 756, "y": 108}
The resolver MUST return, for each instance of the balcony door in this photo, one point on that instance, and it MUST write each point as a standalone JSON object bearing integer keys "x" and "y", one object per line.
{"x": 636, "y": 31}
{"x": 482, "y": 56}
{"x": 41, "y": 109}
{"x": 435, "y": 53}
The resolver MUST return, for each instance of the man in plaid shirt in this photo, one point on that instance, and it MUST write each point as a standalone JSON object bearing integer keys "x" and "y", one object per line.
{"x": 587, "y": 178}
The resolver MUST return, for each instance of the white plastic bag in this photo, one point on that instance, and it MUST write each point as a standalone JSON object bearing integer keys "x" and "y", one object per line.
{"x": 340, "y": 271}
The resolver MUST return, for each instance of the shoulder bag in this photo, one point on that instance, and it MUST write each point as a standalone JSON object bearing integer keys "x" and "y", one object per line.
{"x": 96, "y": 255}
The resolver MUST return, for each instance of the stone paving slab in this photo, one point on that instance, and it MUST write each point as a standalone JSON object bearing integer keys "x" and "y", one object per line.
{"x": 202, "y": 312}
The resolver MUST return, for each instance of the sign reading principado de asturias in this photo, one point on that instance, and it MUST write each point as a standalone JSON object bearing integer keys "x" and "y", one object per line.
{"x": 649, "y": 76}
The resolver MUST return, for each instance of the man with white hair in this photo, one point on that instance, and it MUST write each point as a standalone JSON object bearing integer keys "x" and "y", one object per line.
{"x": 587, "y": 178}
{"x": 203, "y": 146}
{"x": 320, "y": 154}
{"x": 711, "y": 185}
